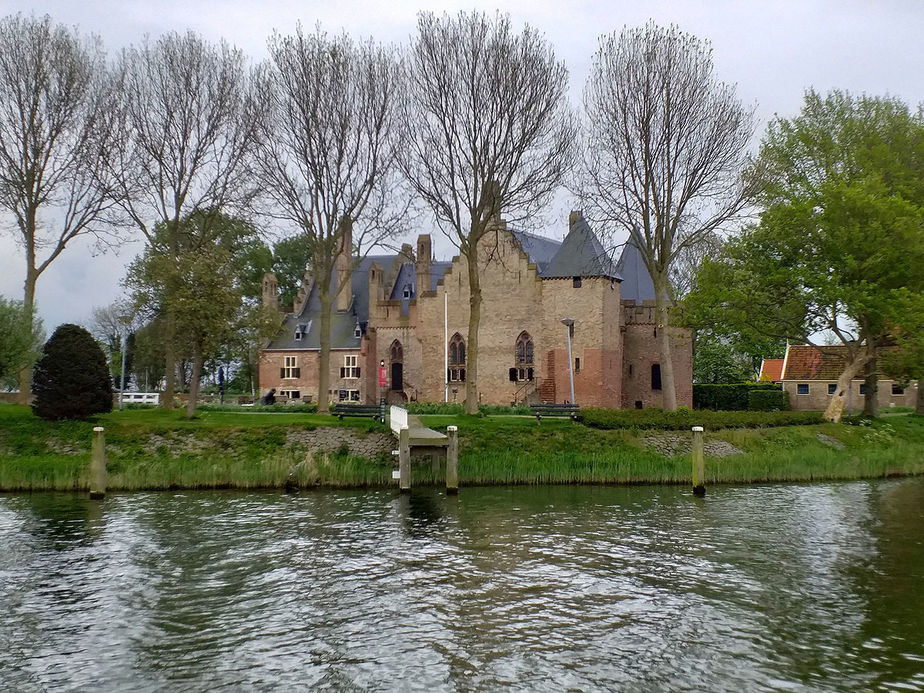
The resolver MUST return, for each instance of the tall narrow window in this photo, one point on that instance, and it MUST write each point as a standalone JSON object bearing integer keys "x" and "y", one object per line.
{"x": 397, "y": 365}
{"x": 656, "y": 376}
{"x": 457, "y": 358}
{"x": 523, "y": 358}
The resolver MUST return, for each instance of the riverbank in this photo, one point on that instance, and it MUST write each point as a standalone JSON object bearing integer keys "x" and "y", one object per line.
{"x": 156, "y": 449}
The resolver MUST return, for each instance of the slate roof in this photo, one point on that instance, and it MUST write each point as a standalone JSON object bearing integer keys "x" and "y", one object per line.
{"x": 636, "y": 282}
{"x": 771, "y": 369}
{"x": 540, "y": 249}
{"x": 806, "y": 362}
{"x": 580, "y": 255}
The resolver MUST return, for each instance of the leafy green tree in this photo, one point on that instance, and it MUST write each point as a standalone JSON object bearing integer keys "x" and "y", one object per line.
{"x": 71, "y": 380}
{"x": 20, "y": 339}
{"x": 717, "y": 361}
{"x": 201, "y": 284}
{"x": 290, "y": 259}
{"x": 839, "y": 246}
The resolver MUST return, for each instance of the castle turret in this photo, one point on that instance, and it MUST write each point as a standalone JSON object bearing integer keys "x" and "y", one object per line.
{"x": 424, "y": 257}
{"x": 270, "y": 291}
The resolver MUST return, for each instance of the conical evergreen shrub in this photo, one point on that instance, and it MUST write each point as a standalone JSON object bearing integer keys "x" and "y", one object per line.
{"x": 71, "y": 380}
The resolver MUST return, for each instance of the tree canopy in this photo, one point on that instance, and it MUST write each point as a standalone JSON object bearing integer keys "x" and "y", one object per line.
{"x": 839, "y": 247}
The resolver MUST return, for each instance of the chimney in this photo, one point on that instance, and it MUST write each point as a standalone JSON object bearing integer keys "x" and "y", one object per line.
{"x": 575, "y": 217}
{"x": 424, "y": 255}
{"x": 376, "y": 288}
{"x": 270, "y": 291}
{"x": 304, "y": 291}
{"x": 345, "y": 264}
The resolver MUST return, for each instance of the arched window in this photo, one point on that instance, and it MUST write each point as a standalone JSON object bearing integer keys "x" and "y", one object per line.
{"x": 457, "y": 358}
{"x": 523, "y": 358}
{"x": 397, "y": 351}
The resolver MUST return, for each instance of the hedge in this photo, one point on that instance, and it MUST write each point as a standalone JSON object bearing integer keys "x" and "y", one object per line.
{"x": 731, "y": 397}
{"x": 768, "y": 400}
{"x": 684, "y": 419}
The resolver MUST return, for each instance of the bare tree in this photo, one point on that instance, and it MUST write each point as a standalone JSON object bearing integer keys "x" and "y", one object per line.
{"x": 666, "y": 145}
{"x": 186, "y": 133}
{"x": 53, "y": 133}
{"x": 326, "y": 157}
{"x": 487, "y": 126}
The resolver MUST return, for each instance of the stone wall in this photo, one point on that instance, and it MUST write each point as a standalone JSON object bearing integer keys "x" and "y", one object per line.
{"x": 643, "y": 350}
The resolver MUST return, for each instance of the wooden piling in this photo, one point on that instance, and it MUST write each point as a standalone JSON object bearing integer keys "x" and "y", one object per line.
{"x": 404, "y": 458}
{"x": 98, "y": 463}
{"x": 452, "y": 460}
{"x": 699, "y": 462}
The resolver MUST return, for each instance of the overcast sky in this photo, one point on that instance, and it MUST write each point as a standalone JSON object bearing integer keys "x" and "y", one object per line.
{"x": 772, "y": 50}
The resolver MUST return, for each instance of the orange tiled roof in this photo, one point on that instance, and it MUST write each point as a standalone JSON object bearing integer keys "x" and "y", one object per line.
{"x": 771, "y": 369}
{"x": 814, "y": 363}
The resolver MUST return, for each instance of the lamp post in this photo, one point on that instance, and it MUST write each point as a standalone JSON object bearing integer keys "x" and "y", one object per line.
{"x": 124, "y": 349}
{"x": 569, "y": 323}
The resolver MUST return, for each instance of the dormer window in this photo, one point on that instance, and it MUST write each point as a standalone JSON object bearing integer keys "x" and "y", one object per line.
{"x": 357, "y": 331}
{"x": 301, "y": 331}
{"x": 576, "y": 282}
{"x": 408, "y": 290}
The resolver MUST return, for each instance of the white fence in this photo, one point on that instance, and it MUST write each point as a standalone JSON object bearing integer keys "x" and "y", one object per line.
{"x": 397, "y": 418}
{"x": 140, "y": 397}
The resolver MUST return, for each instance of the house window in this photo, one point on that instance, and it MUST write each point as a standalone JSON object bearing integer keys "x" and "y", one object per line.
{"x": 523, "y": 358}
{"x": 656, "y": 376}
{"x": 802, "y": 389}
{"x": 348, "y": 395}
{"x": 897, "y": 389}
{"x": 832, "y": 388}
{"x": 457, "y": 358}
{"x": 350, "y": 369}
{"x": 290, "y": 368}
{"x": 408, "y": 291}
{"x": 291, "y": 394}
{"x": 357, "y": 331}
{"x": 576, "y": 282}
{"x": 397, "y": 365}
{"x": 862, "y": 388}
{"x": 577, "y": 365}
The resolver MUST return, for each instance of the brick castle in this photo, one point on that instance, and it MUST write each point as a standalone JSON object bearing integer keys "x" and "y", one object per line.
{"x": 412, "y": 314}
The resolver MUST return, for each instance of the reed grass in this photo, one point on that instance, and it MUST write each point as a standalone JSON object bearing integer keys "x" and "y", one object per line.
{"x": 154, "y": 449}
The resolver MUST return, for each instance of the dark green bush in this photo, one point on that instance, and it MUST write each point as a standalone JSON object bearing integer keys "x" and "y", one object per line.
{"x": 684, "y": 419}
{"x": 732, "y": 397}
{"x": 71, "y": 379}
{"x": 768, "y": 400}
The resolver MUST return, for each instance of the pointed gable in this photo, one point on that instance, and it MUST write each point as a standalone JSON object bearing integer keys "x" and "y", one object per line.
{"x": 636, "y": 281}
{"x": 581, "y": 254}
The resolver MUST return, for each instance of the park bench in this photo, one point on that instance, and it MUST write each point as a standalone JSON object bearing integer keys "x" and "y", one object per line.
{"x": 540, "y": 410}
{"x": 376, "y": 411}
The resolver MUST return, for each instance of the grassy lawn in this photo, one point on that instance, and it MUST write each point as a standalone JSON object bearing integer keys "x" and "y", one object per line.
{"x": 153, "y": 448}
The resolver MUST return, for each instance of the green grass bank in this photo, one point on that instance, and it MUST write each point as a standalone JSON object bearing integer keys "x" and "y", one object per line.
{"x": 156, "y": 449}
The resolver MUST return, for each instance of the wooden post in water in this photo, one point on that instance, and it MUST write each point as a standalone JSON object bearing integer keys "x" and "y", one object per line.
{"x": 699, "y": 462}
{"x": 404, "y": 459}
{"x": 98, "y": 463}
{"x": 452, "y": 460}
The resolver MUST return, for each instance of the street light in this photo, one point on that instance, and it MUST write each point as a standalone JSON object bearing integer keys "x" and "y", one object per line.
{"x": 569, "y": 323}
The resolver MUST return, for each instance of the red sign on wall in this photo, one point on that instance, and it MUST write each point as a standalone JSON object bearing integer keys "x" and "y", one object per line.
{"x": 383, "y": 377}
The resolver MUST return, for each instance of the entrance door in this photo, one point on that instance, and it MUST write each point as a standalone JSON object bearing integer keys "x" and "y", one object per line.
{"x": 397, "y": 376}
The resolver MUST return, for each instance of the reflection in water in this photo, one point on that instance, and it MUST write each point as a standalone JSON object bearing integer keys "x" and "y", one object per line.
{"x": 817, "y": 587}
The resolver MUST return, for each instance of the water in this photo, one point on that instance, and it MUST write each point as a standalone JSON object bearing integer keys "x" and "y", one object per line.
{"x": 788, "y": 587}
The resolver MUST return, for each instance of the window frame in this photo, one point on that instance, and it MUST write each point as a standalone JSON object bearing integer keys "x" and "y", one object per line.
{"x": 350, "y": 370}
{"x": 799, "y": 386}
{"x": 290, "y": 368}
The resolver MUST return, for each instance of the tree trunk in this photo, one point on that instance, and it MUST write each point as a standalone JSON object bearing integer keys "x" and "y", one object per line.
{"x": 662, "y": 307}
{"x": 919, "y": 402}
{"x": 194, "y": 383}
{"x": 835, "y": 407}
{"x": 871, "y": 401}
{"x": 25, "y": 373}
{"x": 327, "y": 304}
{"x": 474, "y": 322}
{"x": 169, "y": 361}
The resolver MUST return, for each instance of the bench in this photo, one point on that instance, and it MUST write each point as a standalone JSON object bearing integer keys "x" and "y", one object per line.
{"x": 569, "y": 410}
{"x": 376, "y": 411}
